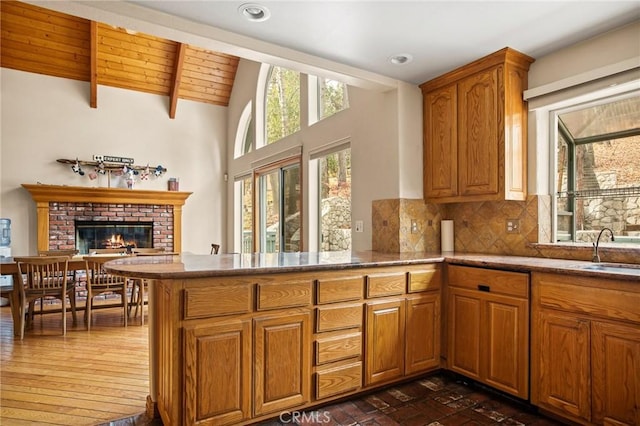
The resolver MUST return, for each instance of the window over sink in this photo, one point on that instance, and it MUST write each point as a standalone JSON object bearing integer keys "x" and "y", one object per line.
{"x": 596, "y": 180}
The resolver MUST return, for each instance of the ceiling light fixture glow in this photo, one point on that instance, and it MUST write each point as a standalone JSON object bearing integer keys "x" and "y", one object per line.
{"x": 401, "y": 59}
{"x": 254, "y": 12}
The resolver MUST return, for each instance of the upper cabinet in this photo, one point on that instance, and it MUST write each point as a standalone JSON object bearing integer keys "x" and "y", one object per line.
{"x": 475, "y": 131}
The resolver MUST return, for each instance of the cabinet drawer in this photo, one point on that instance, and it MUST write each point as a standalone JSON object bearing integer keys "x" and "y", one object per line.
{"x": 335, "y": 348}
{"x": 428, "y": 279}
{"x": 338, "y": 380}
{"x": 228, "y": 298}
{"x": 593, "y": 296}
{"x": 339, "y": 289}
{"x": 284, "y": 295}
{"x": 390, "y": 284}
{"x": 493, "y": 280}
{"x": 338, "y": 317}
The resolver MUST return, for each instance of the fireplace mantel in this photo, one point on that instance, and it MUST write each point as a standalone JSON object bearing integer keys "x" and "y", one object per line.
{"x": 45, "y": 194}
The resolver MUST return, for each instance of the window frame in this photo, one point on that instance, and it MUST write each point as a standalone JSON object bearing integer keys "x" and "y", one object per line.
{"x": 555, "y": 129}
{"x": 280, "y": 165}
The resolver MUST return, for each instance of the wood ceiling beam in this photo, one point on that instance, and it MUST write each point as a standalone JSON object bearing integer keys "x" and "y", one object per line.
{"x": 93, "y": 102}
{"x": 175, "y": 87}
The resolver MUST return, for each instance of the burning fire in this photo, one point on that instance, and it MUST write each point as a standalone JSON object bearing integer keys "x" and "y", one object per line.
{"x": 116, "y": 241}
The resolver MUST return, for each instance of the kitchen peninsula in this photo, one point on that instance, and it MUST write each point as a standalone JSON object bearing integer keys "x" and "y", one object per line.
{"x": 235, "y": 338}
{"x": 239, "y": 338}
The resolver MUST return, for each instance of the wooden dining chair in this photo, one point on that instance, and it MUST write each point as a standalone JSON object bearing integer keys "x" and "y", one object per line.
{"x": 43, "y": 276}
{"x": 100, "y": 281}
{"x": 119, "y": 250}
{"x": 71, "y": 275}
{"x": 215, "y": 248}
{"x": 139, "y": 285}
{"x": 62, "y": 252}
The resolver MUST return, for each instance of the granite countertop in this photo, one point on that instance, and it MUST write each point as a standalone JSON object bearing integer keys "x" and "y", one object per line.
{"x": 188, "y": 265}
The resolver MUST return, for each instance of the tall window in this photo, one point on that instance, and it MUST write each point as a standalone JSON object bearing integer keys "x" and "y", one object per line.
{"x": 597, "y": 180}
{"x": 282, "y": 109}
{"x": 332, "y": 96}
{"x": 246, "y": 215}
{"x": 279, "y": 194}
{"x": 244, "y": 135}
{"x": 335, "y": 201}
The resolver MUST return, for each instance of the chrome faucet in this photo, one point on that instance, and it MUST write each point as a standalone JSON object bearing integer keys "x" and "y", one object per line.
{"x": 596, "y": 256}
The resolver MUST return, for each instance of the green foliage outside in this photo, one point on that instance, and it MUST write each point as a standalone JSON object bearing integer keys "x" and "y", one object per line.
{"x": 283, "y": 104}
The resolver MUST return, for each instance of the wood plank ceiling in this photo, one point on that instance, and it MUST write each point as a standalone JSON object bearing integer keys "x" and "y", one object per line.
{"x": 38, "y": 40}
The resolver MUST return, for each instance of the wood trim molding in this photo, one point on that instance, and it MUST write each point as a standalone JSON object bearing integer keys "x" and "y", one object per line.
{"x": 45, "y": 194}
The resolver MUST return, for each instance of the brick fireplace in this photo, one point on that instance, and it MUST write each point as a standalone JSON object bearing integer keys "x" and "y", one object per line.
{"x": 58, "y": 207}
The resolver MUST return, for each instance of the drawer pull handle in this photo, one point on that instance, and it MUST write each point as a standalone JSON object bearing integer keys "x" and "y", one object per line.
{"x": 484, "y": 287}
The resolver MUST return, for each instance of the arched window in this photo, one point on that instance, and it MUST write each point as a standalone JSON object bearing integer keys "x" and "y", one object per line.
{"x": 245, "y": 133}
{"x": 282, "y": 104}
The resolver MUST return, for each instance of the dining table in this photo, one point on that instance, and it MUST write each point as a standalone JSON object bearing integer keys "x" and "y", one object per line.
{"x": 8, "y": 266}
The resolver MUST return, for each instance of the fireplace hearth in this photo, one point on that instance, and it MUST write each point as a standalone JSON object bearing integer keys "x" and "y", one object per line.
{"x": 91, "y": 235}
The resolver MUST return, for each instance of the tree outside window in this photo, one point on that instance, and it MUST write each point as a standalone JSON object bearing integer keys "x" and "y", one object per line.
{"x": 282, "y": 104}
{"x": 332, "y": 97}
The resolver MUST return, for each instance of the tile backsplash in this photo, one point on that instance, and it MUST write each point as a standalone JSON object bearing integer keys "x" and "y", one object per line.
{"x": 479, "y": 227}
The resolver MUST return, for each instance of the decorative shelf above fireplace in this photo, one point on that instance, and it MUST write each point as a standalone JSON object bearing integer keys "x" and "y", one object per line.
{"x": 43, "y": 195}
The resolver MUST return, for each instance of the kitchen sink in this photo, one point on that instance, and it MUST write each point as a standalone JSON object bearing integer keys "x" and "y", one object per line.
{"x": 624, "y": 268}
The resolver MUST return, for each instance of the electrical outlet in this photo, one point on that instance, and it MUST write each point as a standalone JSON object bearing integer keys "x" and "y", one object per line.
{"x": 359, "y": 226}
{"x": 98, "y": 158}
{"x": 414, "y": 226}
{"x": 513, "y": 226}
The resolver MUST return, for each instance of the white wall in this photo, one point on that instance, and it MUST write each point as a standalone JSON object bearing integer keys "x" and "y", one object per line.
{"x": 45, "y": 118}
{"x": 371, "y": 124}
{"x": 606, "y": 63}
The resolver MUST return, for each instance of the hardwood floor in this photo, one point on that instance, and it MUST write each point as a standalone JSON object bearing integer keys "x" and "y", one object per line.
{"x": 83, "y": 378}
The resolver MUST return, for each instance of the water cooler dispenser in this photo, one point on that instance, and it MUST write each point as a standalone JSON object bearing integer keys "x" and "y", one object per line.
{"x": 5, "y": 251}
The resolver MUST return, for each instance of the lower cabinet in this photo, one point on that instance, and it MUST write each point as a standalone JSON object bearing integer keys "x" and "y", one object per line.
{"x": 422, "y": 333}
{"x": 615, "y": 370}
{"x": 206, "y": 347}
{"x": 488, "y": 327}
{"x": 225, "y": 360}
{"x": 403, "y": 337}
{"x": 563, "y": 364}
{"x": 384, "y": 341}
{"x": 586, "y": 349}
{"x": 282, "y": 370}
{"x": 236, "y": 350}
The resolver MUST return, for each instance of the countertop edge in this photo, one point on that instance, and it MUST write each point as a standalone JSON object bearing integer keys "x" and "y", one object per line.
{"x": 168, "y": 267}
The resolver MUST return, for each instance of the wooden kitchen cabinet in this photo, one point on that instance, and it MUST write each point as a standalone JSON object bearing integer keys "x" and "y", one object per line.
{"x": 384, "y": 340}
{"x": 422, "y": 333}
{"x": 282, "y": 371}
{"x": 475, "y": 131}
{"x": 402, "y": 334}
{"x": 290, "y": 341}
{"x": 586, "y": 348}
{"x": 205, "y": 346}
{"x": 563, "y": 364}
{"x": 615, "y": 360}
{"x": 488, "y": 327}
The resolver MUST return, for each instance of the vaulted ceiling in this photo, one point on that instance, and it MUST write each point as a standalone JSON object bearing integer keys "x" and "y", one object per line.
{"x": 43, "y": 41}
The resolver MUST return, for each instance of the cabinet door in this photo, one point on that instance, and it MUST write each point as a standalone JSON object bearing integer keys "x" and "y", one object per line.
{"x": 478, "y": 142}
{"x": 422, "y": 333}
{"x": 615, "y": 363}
{"x": 506, "y": 344}
{"x": 207, "y": 348}
{"x": 464, "y": 329}
{"x": 440, "y": 143}
{"x": 563, "y": 364}
{"x": 282, "y": 371}
{"x": 384, "y": 341}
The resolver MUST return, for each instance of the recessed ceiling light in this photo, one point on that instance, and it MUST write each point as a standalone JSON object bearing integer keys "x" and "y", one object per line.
{"x": 401, "y": 59}
{"x": 254, "y": 12}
